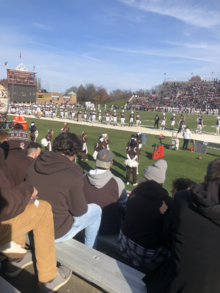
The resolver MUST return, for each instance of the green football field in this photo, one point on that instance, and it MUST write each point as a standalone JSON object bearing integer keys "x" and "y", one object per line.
{"x": 180, "y": 163}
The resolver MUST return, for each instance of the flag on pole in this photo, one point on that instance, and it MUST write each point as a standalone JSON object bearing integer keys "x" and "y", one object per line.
{"x": 33, "y": 68}
{"x": 192, "y": 73}
{"x": 164, "y": 73}
{"x": 5, "y": 63}
{"x": 20, "y": 55}
{"x": 212, "y": 72}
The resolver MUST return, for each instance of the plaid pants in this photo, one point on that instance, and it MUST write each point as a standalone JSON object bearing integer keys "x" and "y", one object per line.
{"x": 138, "y": 254}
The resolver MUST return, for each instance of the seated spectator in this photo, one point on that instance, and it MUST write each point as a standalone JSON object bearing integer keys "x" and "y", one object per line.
{"x": 18, "y": 162}
{"x": 18, "y": 216}
{"x": 140, "y": 237}
{"x": 106, "y": 190}
{"x": 59, "y": 181}
{"x": 194, "y": 262}
{"x": 33, "y": 150}
{"x": 181, "y": 184}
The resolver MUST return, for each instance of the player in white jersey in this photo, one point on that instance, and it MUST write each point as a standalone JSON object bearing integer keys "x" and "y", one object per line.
{"x": 217, "y": 125}
{"x": 163, "y": 121}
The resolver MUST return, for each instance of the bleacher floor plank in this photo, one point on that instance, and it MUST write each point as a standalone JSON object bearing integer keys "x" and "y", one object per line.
{"x": 5, "y": 287}
{"x": 109, "y": 274}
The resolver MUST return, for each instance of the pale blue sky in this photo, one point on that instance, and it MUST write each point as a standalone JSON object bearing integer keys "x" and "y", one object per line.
{"x": 127, "y": 44}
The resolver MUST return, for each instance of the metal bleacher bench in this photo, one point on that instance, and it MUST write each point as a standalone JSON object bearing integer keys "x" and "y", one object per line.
{"x": 5, "y": 287}
{"x": 98, "y": 268}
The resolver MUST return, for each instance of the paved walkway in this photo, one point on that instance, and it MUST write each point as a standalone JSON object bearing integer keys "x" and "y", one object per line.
{"x": 203, "y": 137}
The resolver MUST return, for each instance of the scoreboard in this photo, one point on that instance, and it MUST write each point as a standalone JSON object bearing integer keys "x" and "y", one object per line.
{"x": 19, "y": 77}
{"x": 22, "y": 85}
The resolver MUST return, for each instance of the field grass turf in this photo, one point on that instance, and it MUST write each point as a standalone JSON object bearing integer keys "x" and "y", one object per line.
{"x": 180, "y": 163}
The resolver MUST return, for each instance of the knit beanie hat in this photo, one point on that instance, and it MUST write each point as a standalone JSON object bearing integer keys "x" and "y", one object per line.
{"x": 20, "y": 136}
{"x": 156, "y": 172}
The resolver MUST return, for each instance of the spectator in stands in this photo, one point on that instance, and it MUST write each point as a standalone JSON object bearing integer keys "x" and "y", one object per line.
{"x": 140, "y": 237}
{"x": 59, "y": 181}
{"x": 18, "y": 162}
{"x": 20, "y": 213}
{"x": 186, "y": 137}
{"x": 194, "y": 262}
{"x": 33, "y": 150}
{"x": 106, "y": 190}
{"x": 181, "y": 184}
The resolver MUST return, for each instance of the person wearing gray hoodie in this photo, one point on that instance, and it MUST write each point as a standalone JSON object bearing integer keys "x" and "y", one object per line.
{"x": 101, "y": 187}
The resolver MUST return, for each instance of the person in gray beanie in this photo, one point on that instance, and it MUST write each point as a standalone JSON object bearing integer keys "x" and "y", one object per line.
{"x": 140, "y": 237}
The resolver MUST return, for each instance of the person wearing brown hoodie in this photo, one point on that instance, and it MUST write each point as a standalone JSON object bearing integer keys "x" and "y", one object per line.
{"x": 20, "y": 213}
{"x": 14, "y": 148}
{"x": 59, "y": 181}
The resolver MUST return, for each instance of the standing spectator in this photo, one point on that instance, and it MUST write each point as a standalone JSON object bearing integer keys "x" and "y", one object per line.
{"x": 186, "y": 137}
{"x": 194, "y": 262}
{"x": 59, "y": 181}
{"x": 106, "y": 190}
{"x": 140, "y": 238}
{"x": 156, "y": 120}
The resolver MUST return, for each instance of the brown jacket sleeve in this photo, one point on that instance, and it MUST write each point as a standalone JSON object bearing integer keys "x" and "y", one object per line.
{"x": 13, "y": 201}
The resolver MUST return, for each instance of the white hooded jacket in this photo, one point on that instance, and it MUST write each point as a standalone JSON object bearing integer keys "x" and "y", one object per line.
{"x": 187, "y": 134}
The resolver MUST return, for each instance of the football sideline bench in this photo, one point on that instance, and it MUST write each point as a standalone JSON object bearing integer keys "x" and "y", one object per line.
{"x": 98, "y": 268}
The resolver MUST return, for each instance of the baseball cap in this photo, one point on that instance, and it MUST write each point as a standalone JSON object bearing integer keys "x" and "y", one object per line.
{"x": 104, "y": 159}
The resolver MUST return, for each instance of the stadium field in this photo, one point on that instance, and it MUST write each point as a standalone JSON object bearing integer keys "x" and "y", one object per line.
{"x": 180, "y": 163}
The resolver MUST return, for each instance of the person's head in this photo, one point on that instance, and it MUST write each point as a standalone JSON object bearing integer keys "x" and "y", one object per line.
{"x": 19, "y": 136}
{"x": 67, "y": 144}
{"x": 181, "y": 184}
{"x": 104, "y": 159}
{"x": 132, "y": 136}
{"x": 133, "y": 143}
{"x": 65, "y": 125}
{"x": 155, "y": 172}
{"x": 213, "y": 170}
{"x": 3, "y": 136}
{"x": 138, "y": 134}
{"x": 33, "y": 150}
{"x": 50, "y": 131}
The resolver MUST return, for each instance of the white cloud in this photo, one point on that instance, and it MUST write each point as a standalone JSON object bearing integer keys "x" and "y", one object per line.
{"x": 201, "y": 14}
{"x": 168, "y": 53}
{"x": 42, "y": 26}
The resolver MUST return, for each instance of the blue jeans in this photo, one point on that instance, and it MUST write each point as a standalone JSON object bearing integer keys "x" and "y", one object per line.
{"x": 90, "y": 221}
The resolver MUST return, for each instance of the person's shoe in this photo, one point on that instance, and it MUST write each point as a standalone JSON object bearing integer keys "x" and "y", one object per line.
{"x": 135, "y": 184}
{"x": 62, "y": 277}
{"x": 127, "y": 183}
{"x": 13, "y": 250}
{"x": 14, "y": 266}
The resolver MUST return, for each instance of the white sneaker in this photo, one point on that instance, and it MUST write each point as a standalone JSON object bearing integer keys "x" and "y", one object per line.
{"x": 135, "y": 184}
{"x": 127, "y": 183}
{"x": 13, "y": 250}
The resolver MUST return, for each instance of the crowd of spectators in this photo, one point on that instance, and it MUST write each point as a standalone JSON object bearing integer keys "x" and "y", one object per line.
{"x": 191, "y": 95}
{"x": 176, "y": 237}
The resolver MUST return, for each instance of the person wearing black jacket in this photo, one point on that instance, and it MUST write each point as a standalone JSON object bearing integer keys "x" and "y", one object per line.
{"x": 194, "y": 263}
{"x": 140, "y": 238}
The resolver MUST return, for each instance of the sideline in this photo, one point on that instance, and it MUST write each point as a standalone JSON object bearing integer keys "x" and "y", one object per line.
{"x": 166, "y": 133}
